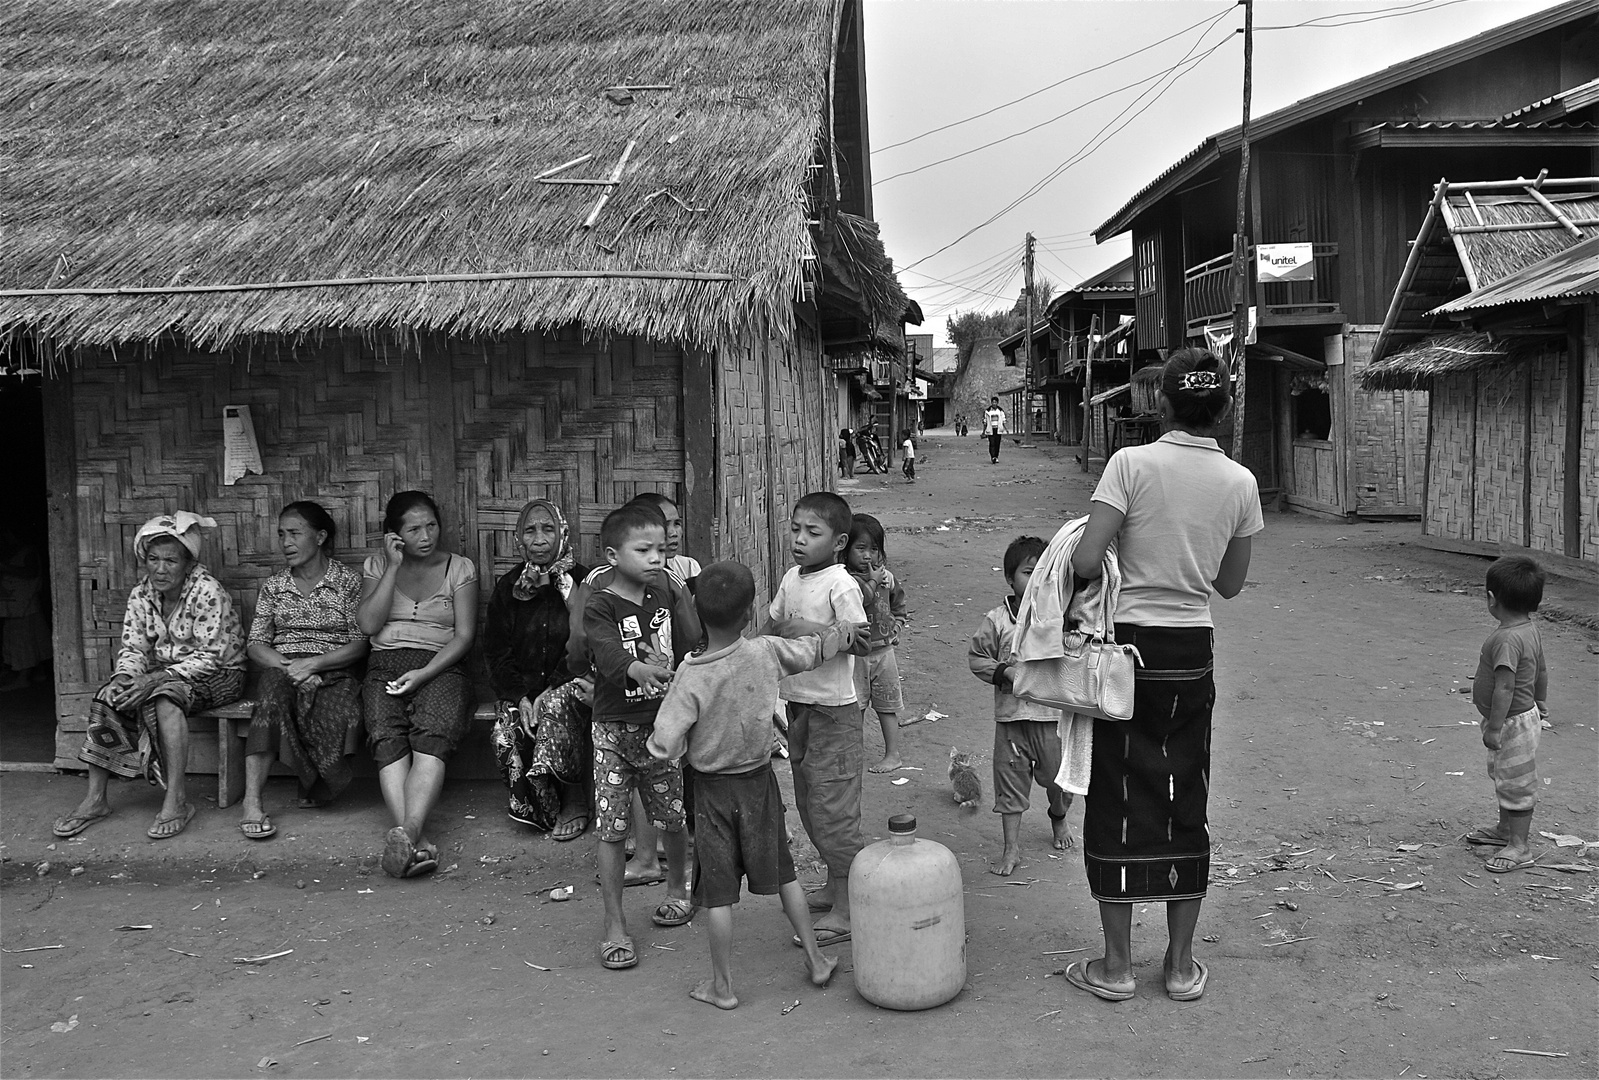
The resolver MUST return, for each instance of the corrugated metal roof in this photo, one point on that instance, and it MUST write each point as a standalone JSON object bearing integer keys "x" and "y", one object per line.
{"x": 1557, "y": 105}
{"x": 1348, "y": 94}
{"x": 1568, "y": 273}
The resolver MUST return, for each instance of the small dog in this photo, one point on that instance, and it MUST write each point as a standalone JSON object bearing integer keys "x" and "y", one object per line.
{"x": 964, "y": 779}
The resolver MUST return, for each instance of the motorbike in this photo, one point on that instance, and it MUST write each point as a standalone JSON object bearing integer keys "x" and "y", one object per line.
{"x": 870, "y": 450}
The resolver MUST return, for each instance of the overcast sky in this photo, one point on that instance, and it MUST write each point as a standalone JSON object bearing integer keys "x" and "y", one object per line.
{"x": 936, "y": 62}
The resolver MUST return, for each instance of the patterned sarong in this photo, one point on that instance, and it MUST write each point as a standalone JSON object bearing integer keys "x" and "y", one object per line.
{"x": 1145, "y": 828}
{"x": 311, "y": 730}
{"x": 128, "y": 744}
{"x": 559, "y": 752}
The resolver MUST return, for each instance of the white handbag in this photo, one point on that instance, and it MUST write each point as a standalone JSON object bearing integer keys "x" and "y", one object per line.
{"x": 1094, "y": 677}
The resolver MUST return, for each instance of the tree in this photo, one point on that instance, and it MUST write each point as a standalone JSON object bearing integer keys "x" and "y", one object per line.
{"x": 1043, "y": 290}
{"x": 965, "y": 327}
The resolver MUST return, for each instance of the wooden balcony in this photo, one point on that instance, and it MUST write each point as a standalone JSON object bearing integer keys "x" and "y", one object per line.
{"x": 1208, "y": 294}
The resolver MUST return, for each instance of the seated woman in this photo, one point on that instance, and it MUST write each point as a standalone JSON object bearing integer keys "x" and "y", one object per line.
{"x": 542, "y": 738}
{"x": 419, "y": 607}
{"x": 305, "y": 641}
{"x": 182, "y": 652}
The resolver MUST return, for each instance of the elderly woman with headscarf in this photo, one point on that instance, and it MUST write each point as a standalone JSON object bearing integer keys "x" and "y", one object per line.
{"x": 542, "y": 737}
{"x": 182, "y": 652}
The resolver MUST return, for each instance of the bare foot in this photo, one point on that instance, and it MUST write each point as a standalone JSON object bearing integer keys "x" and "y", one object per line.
{"x": 822, "y": 972}
{"x": 706, "y": 992}
{"x": 1063, "y": 834}
{"x": 1009, "y": 860}
{"x": 888, "y": 764}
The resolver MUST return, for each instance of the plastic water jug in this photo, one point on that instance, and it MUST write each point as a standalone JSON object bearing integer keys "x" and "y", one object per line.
{"x": 908, "y": 920}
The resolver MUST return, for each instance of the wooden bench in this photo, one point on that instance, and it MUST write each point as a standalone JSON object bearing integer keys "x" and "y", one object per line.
{"x": 473, "y": 761}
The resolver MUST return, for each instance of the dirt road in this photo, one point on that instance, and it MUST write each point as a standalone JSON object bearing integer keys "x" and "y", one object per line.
{"x": 1346, "y": 764}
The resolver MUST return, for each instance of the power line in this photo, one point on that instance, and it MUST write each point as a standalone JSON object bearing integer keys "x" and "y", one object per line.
{"x": 1053, "y": 119}
{"x": 1088, "y": 148}
{"x": 1051, "y": 86}
{"x": 1320, "y": 22}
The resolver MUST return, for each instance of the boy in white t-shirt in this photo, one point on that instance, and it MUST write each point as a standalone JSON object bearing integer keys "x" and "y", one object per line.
{"x": 908, "y": 445}
{"x": 826, "y": 746}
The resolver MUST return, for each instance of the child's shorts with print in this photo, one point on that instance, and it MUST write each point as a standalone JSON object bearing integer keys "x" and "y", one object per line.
{"x": 622, "y": 765}
{"x": 877, "y": 680}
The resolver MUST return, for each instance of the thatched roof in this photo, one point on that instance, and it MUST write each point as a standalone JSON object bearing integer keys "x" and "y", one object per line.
{"x": 1498, "y": 254}
{"x": 1564, "y": 275}
{"x": 1415, "y": 367}
{"x": 1149, "y": 375}
{"x": 203, "y": 142}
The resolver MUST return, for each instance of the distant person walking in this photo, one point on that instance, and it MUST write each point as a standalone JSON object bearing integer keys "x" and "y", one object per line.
{"x": 994, "y": 427}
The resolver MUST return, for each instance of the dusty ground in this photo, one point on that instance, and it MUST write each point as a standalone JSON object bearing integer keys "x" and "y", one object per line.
{"x": 1344, "y": 759}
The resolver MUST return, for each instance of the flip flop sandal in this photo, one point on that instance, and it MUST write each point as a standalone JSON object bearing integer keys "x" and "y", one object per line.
{"x": 1193, "y": 993}
{"x": 260, "y": 828}
{"x": 635, "y": 882}
{"x": 1506, "y": 865}
{"x": 570, "y": 829}
{"x": 1077, "y": 975}
{"x": 618, "y": 955}
{"x": 398, "y": 852}
{"x": 1484, "y": 838}
{"x": 69, "y": 827}
{"x": 674, "y": 912}
{"x": 163, "y": 828}
{"x": 824, "y": 937}
{"x": 421, "y": 863}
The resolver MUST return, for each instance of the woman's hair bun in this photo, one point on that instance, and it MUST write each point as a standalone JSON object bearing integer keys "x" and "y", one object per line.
{"x": 1198, "y": 385}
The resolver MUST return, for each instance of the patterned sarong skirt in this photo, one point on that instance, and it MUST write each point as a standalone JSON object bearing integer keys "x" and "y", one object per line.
{"x": 129, "y": 743}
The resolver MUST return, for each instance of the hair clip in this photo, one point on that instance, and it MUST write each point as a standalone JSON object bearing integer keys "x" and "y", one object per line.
{"x": 1198, "y": 380}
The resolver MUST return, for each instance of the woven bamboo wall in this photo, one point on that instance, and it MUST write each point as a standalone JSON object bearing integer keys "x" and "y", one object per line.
{"x": 775, "y": 446}
{"x": 1387, "y": 436}
{"x": 484, "y": 426}
{"x": 1498, "y": 470}
{"x": 1586, "y": 469}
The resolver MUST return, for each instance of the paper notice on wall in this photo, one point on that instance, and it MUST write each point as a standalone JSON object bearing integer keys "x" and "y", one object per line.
{"x": 240, "y": 452}
{"x": 1285, "y": 262}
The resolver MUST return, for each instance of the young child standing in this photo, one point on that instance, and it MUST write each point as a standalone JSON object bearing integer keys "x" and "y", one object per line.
{"x": 631, "y": 642}
{"x": 877, "y": 673}
{"x": 719, "y": 712}
{"x": 1026, "y": 736}
{"x": 825, "y": 743}
{"x": 908, "y": 447}
{"x": 1509, "y": 691}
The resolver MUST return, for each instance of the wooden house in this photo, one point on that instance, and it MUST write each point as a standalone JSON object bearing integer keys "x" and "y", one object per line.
{"x": 1349, "y": 172}
{"x": 1497, "y": 316}
{"x": 580, "y": 249}
{"x": 1073, "y": 330}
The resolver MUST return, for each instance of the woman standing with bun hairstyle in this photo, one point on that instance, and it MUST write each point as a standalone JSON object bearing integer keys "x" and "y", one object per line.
{"x": 1182, "y": 515}
{"x": 419, "y": 607}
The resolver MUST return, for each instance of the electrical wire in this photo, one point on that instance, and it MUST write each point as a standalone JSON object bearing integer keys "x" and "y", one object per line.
{"x": 1094, "y": 143}
{"x": 1155, "y": 77}
{"x": 1320, "y": 22}
{"x": 1053, "y": 85}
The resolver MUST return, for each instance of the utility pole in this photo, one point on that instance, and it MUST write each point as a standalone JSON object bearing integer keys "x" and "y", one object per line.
{"x": 1025, "y": 420}
{"x": 1241, "y": 241}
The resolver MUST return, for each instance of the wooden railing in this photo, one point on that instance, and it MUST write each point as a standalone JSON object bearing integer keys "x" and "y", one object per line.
{"x": 1208, "y": 289}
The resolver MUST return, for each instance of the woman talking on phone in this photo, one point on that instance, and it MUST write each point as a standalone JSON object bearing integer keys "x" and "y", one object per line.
{"x": 419, "y": 608}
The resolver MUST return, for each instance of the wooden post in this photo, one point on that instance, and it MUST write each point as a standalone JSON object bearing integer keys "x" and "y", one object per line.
{"x": 60, "y": 470}
{"x": 436, "y": 380}
{"x": 1582, "y": 343}
{"x": 1027, "y": 374}
{"x": 1241, "y": 241}
{"x": 1088, "y": 392}
{"x": 1526, "y": 456}
{"x": 1471, "y": 470}
{"x": 701, "y": 413}
{"x": 1426, "y": 468}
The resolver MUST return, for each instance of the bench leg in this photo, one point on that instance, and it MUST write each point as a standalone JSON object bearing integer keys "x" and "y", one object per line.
{"x": 230, "y": 763}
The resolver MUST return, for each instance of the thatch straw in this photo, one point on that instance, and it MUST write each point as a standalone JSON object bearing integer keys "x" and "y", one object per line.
{"x": 155, "y": 142}
{"x": 1149, "y": 375}
{"x": 1415, "y": 367}
{"x": 1495, "y": 255}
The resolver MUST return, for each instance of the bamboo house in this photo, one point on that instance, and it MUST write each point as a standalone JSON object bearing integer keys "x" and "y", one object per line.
{"x": 1497, "y": 314}
{"x": 577, "y": 249}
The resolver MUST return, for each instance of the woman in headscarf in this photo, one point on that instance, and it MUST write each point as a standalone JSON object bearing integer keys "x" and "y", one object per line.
{"x": 182, "y": 652}
{"x": 542, "y": 737}
{"x": 305, "y": 640}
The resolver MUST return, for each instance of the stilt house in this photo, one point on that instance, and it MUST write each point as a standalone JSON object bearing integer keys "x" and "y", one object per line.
{"x": 577, "y": 249}
{"x": 1337, "y": 186}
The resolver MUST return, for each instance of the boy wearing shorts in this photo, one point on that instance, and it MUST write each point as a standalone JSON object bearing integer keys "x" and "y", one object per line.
{"x": 1509, "y": 689}
{"x": 1026, "y": 736}
{"x": 825, "y": 743}
{"x": 719, "y": 713}
{"x": 629, "y": 628}
{"x": 877, "y": 673}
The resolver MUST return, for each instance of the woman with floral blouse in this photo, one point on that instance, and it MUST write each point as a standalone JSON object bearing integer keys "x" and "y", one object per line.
{"x": 306, "y": 643}
{"x": 182, "y": 652}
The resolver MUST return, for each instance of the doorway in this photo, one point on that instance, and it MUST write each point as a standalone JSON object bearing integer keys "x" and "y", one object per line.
{"x": 27, "y": 684}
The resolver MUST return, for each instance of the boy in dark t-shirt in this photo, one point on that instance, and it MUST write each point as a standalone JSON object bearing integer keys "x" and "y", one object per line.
{"x": 1509, "y": 690}
{"x": 629, "y": 628}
